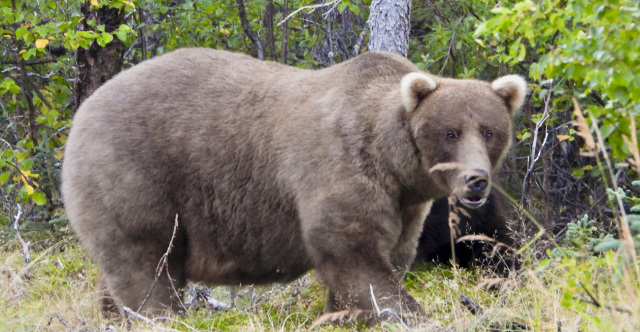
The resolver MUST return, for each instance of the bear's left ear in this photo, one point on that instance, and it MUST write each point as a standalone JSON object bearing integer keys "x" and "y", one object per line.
{"x": 415, "y": 87}
{"x": 511, "y": 88}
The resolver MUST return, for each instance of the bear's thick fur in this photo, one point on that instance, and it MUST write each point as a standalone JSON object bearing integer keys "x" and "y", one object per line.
{"x": 274, "y": 170}
{"x": 491, "y": 220}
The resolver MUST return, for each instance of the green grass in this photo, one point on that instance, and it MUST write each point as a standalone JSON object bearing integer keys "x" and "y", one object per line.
{"x": 56, "y": 291}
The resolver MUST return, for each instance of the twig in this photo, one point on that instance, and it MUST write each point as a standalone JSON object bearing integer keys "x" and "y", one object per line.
{"x": 137, "y": 315}
{"x": 473, "y": 307}
{"x": 333, "y": 3}
{"x": 209, "y": 302}
{"x": 152, "y": 321}
{"x": 616, "y": 308}
{"x": 358, "y": 44}
{"x": 386, "y": 310}
{"x": 29, "y": 63}
{"x": 533, "y": 157}
{"x": 163, "y": 264}
{"x": 57, "y": 315}
{"x": 589, "y": 294}
{"x": 450, "y": 53}
{"x": 25, "y": 246}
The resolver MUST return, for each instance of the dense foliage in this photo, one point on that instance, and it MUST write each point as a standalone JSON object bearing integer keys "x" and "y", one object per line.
{"x": 574, "y": 168}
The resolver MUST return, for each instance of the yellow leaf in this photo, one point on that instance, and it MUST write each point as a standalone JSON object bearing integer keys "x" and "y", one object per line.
{"x": 562, "y": 137}
{"x": 27, "y": 174}
{"x": 62, "y": 138}
{"x": 74, "y": 44}
{"x": 7, "y": 36}
{"x": 22, "y": 51}
{"x": 29, "y": 188}
{"x": 94, "y": 2}
{"x": 58, "y": 154}
{"x": 130, "y": 4}
{"x": 20, "y": 157}
{"x": 25, "y": 25}
{"x": 41, "y": 43}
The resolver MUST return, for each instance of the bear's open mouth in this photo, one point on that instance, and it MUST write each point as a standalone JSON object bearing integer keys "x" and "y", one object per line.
{"x": 473, "y": 202}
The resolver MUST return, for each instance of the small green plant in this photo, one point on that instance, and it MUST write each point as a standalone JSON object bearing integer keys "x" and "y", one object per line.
{"x": 581, "y": 238}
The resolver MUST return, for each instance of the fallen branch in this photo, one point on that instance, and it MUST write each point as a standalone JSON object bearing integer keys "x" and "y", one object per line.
{"x": 595, "y": 302}
{"x": 344, "y": 316}
{"x": 473, "y": 307}
{"x": 153, "y": 321}
{"x": 203, "y": 298}
{"x": 610, "y": 307}
{"x": 386, "y": 310}
{"x": 61, "y": 320}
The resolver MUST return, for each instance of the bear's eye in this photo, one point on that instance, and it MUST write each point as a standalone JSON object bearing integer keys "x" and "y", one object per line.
{"x": 451, "y": 135}
{"x": 488, "y": 134}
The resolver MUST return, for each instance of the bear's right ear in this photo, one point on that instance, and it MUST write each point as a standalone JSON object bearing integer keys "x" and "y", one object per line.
{"x": 511, "y": 88}
{"x": 415, "y": 87}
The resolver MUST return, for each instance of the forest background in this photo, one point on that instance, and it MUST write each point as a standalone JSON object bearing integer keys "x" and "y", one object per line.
{"x": 572, "y": 173}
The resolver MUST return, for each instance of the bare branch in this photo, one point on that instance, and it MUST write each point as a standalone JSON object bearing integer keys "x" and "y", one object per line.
{"x": 473, "y": 307}
{"x": 29, "y": 63}
{"x": 25, "y": 246}
{"x": 333, "y": 3}
{"x": 535, "y": 155}
{"x": 152, "y": 321}
{"x": 163, "y": 265}
{"x": 386, "y": 310}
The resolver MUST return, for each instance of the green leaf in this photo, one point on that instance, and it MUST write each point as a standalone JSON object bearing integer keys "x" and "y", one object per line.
{"x": 342, "y": 6}
{"x": 608, "y": 245}
{"x": 39, "y": 198}
{"x": 4, "y": 177}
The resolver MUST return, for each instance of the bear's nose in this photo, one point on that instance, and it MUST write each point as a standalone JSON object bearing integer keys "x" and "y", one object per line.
{"x": 477, "y": 181}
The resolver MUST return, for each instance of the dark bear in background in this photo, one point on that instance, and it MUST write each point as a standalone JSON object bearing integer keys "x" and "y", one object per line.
{"x": 491, "y": 220}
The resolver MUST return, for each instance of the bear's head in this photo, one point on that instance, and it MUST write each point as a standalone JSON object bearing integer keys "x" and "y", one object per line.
{"x": 462, "y": 129}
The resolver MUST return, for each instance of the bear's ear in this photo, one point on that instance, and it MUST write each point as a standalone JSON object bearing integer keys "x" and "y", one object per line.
{"x": 415, "y": 87}
{"x": 511, "y": 88}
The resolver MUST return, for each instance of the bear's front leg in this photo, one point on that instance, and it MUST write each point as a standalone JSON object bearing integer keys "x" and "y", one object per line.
{"x": 404, "y": 254}
{"x": 351, "y": 247}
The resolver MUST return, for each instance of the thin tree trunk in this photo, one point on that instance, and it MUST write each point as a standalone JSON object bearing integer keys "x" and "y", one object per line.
{"x": 285, "y": 10}
{"x": 98, "y": 64}
{"x": 390, "y": 26}
{"x": 255, "y": 39}
{"x": 268, "y": 23}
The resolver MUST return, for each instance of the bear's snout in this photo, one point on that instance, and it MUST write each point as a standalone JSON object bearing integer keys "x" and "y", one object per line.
{"x": 476, "y": 188}
{"x": 477, "y": 181}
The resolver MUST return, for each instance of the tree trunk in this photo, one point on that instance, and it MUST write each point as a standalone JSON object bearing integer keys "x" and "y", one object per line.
{"x": 98, "y": 64}
{"x": 253, "y": 36}
{"x": 390, "y": 26}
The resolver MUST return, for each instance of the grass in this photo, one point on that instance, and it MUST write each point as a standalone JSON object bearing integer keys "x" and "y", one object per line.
{"x": 56, "y": 291}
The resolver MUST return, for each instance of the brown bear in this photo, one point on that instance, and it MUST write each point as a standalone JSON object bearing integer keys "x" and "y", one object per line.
{"x": 274, "y": 170}
{"x": 491, "y": 220}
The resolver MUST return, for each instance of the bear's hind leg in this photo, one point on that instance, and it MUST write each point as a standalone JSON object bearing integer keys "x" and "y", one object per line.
{"x": 142, "y": 280}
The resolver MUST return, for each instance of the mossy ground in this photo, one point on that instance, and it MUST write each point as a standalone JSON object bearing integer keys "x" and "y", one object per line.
{"x": 56, "y": 292}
